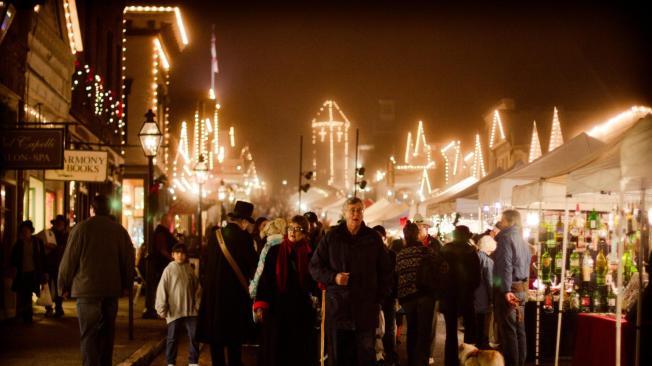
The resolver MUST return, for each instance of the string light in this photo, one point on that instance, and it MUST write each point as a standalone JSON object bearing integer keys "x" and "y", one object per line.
{"x": 161, "y": 54}
{"x": 556, "y": 138}
{"x": 535, "y": 144}
{"x": 333, "y": 128}
{"x": 496, "y": 124}
{"x": 72, "y": 26}
{"x": 478, "y": 160}
{"x": 232, "y": 136}
{"x": 621, "y": 120}
{"x": 197, "y": 136}
{"x": 163, "y": 9}
{"x": 408, "y": 147}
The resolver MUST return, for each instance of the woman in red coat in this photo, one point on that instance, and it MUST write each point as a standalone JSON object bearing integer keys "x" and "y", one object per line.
{"x": 283, "y": 301}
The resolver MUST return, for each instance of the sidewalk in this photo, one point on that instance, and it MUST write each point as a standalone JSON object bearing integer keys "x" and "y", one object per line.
{"x": 51, "y": 341}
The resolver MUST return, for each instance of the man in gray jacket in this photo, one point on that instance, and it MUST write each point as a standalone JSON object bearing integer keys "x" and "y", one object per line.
{"x": 96, "y": 269}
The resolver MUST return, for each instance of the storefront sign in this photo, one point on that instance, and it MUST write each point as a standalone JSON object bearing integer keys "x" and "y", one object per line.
{"x": 82, "y": 166}
{"x": 31, "y": 148}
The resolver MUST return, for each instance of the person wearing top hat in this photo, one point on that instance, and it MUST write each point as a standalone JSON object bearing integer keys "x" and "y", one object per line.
{"x": 225, "y": 319}
{"x": 28, "y": 257}
{"x": 54, "y": 239}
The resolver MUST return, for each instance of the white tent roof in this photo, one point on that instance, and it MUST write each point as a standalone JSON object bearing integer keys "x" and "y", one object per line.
{"x": 553, "y": 197}
{"x": 383, "y": 210}
{"x": 563, "y": 160}
{"x": 627, "y": 161}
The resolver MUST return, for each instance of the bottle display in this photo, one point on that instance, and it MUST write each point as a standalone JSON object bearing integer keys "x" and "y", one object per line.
{"x": 600, "y": 269}
{"x": 585, "y": 298}
{"x": 575, "y": 263}
{"x": 559, "y": 261}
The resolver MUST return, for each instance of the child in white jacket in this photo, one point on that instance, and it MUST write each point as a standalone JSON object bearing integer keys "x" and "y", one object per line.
{"x": 177, "y": 301}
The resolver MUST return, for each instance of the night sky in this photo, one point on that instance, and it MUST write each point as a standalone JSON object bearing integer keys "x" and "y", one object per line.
{"x": 447, "y": 66}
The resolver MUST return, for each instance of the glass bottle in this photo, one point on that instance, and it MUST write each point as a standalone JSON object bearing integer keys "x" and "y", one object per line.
{"x": 548, "y": 306}
{"x": 611, "y": 297}
{"x": 594, "y": 220}
{"x": 600, "y": 269}
{"x": 559, "y": 230}
{"x": 585, "y": 298}
{"x": 574, "y": 299}
{"x": 596, "y": 299}
{"x": 558, "y": 263}
{"x": 575, "y": 263}
{"x": 546, "y": 264}
{"x": 587, "y": 267}
{"x": 551, "y": 242}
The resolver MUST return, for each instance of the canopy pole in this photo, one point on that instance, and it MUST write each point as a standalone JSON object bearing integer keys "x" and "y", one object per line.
{"x": 539, "y": 277}
{"x": 562, "y": 286}
{"x": 619, "y": 276}
{"x": 639, "y": 305}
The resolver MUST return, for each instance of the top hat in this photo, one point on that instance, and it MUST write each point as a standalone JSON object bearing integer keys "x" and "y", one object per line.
{"x": 27, "y": 224}
{"x": 59, "y": 218}
{"x": 243, "y": 210}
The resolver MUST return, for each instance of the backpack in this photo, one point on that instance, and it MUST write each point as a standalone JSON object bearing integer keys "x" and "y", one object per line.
{"x": 432, "y": 274}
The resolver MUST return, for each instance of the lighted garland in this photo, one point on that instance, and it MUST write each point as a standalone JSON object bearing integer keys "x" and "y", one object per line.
{"x": 105, "y": 106}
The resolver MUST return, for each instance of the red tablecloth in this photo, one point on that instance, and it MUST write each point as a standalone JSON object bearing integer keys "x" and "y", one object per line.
{"x": 595, "y": 341}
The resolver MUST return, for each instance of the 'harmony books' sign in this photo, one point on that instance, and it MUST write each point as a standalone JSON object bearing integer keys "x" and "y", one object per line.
{"x": 81, "y": 165}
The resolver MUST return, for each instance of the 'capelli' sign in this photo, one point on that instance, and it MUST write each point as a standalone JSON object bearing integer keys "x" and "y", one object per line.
{"x": 81, "y": 165}
{"x": 31, "y": 148}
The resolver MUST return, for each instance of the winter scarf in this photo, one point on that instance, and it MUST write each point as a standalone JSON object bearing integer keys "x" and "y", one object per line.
{"x": 272, "y": 240}
{"x": 302, "y": 251}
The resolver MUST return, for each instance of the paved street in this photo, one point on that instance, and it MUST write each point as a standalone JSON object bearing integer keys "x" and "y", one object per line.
{"x": 55, "y": 342}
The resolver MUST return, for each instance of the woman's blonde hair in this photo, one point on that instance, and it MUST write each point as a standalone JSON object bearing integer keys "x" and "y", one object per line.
{"x": 277, "y": 226}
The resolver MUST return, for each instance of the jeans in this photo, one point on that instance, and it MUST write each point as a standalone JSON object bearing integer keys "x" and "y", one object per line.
{"x": 351, "y": 345}
{"x": 512, "y": 329}
{"x": 234, "y": 353}
{"x": 419, "y": 312}
{"x": 190, "y": 323}
{"x": 451, "y": 346}
{"x": 389, "y": 339}
{"x": 97, "y": 327}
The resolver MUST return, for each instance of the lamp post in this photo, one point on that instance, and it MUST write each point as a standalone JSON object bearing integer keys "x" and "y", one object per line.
{"x": 150, "y": 139}
{"x": 201, "y": 174}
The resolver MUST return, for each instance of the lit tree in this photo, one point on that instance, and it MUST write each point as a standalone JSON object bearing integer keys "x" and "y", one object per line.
{"x": 535, "y": 144}
{"x": 556, "y": 138}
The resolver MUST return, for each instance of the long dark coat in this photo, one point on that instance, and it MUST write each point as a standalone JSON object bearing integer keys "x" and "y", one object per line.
{"x": 38, "y": 254}
{"x": 225, "y": 309}
{"x": 370, "y": 282}
{"x": 463, "y": 276}
{"x": 288, "y": 330}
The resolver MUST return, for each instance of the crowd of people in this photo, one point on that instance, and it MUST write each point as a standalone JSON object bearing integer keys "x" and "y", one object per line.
{"x": 304, "y": 292}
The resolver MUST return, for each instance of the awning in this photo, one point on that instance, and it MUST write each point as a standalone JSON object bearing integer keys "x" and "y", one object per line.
{"x": 384, "y": 211}
{"x": 575, "y": 153}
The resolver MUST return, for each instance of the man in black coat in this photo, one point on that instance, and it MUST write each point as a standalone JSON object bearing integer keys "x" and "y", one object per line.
{"x": 225, "y": 319}
{"x": 352, "y": 262}
{"x": 461, "y": 280}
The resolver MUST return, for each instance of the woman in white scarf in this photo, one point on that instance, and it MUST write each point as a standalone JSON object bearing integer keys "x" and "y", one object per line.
{"x": 274, "y": 230}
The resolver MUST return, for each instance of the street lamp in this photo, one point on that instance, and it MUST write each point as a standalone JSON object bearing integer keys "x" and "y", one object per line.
{"x": 150, "y": 139}
{"x": 201, "y": 174}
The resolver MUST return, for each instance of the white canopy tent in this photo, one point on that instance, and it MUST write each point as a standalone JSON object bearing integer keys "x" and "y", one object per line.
{"x": 549, "y": 195}
{"x": 563, "y": 160}
{"x": 624, "y": 166}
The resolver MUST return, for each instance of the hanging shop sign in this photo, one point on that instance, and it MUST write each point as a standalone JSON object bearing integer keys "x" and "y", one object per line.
{"x": 31, "y": 148}
{"x": 82, "y": 166}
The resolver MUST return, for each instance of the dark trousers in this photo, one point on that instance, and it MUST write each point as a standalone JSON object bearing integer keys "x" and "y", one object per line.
{"x": 24, "y": 301}
{"x": 511, "y": 325}
{"x": 352, "y": 348}
{"x": 234, "y": 352}
{"x": 482, "y": 333}
{"x": 419, "y": 312}
{"x": 451, "y": 346}
{"x": 97, "y": 327}
{"x": 389, "y": 339}
{"x": 190, "y": 323}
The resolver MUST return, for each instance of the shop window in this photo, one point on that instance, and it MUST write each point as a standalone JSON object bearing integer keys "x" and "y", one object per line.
{"x": 133, "y": 209}
{"x": 50, "y": 206}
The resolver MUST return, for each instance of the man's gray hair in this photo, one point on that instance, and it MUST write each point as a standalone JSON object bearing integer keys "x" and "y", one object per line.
{"x": 513, "y": 218}
{"x": 351, "y": 201}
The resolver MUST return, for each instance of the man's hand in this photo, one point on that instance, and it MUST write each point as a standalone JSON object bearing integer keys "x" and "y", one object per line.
{"x": 512, "y": 299}
{"x": 342, "y": 278}
{"x": 260, "y": 315}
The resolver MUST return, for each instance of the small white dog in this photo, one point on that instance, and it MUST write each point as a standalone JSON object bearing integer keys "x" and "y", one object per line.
{"x": 470, "y": 355}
